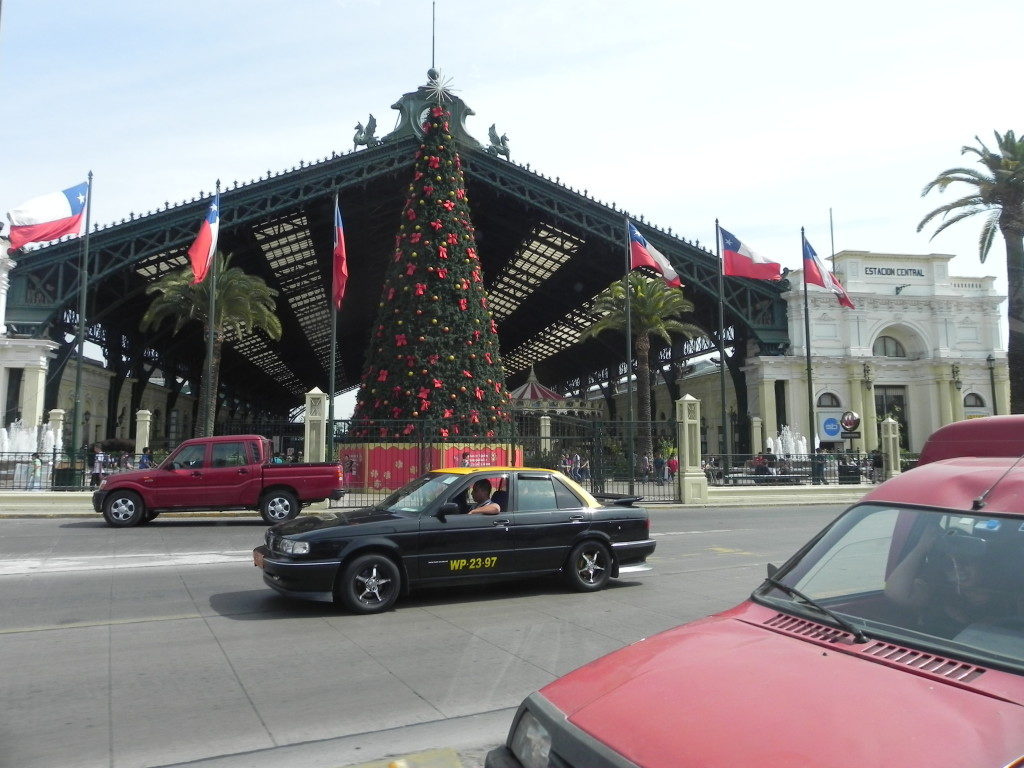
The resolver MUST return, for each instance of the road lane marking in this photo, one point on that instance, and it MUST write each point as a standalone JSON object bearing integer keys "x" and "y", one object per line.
{"x": 106, "y": 623}
{"x": 120, "y": 562}
{"x": 692, "y": 533}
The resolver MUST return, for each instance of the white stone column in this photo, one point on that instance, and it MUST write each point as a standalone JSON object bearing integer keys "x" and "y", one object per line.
{"x": 691, "y": 482}
{"x": 316, "y": 426}
{"x": 890, "y": 448}
{"x": 756, "y": 435}
{"x": 942, "y": 390}
{"x": 33, "y": 395}
{"x": 857, "y": 406}
{"x": 56, "y": 428}
{"x": 143, "y": 421}
{"x": 766, "y": 392}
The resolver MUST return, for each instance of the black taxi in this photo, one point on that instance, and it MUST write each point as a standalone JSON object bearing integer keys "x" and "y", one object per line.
{"x": 537, "y": 522}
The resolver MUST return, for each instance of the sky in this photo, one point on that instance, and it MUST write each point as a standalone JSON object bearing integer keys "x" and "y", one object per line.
{"x": 765, "y": 116}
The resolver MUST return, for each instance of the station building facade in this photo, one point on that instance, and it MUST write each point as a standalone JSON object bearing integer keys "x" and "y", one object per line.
{"x": 922, "y": 346}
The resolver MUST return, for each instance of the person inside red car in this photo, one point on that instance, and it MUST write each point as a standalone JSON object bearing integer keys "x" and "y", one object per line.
{"x": 945, "y": 580}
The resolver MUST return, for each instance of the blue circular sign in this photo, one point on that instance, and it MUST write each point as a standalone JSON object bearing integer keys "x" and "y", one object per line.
{"x": 830, "y": 427}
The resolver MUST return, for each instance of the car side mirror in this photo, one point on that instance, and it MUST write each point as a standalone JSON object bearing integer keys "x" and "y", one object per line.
{"x": 772, "y": 570}
{"x": 448, "y": 508}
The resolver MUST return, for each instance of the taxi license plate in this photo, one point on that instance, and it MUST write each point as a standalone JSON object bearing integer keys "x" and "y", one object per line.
{"x": 257, "y": 558}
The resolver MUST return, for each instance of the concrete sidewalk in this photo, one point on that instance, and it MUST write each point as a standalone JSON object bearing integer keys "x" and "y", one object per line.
{"x": 14, "y": 504}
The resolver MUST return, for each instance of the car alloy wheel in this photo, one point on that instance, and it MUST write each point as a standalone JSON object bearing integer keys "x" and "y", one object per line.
{"x": 369, "y": 584}
{"x": 589, "y": 566}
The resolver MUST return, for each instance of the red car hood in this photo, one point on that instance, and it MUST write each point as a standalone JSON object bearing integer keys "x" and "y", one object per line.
{"x": 727, "y": 691}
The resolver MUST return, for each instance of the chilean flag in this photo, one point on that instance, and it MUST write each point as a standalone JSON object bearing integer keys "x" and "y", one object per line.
{"x": 816, "y": 273}
{"x": 340, "y": 271}
{"x": 202, "y": 250}
{"x": 740, "y": 261}
{"x": 643, "y": 254}
{"x": 48, "y": 217}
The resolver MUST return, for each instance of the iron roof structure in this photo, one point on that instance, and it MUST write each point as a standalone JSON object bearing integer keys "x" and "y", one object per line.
{"x": 546, "y": 249}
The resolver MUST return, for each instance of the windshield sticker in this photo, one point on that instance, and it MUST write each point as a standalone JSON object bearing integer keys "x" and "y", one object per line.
{"x": 449, "y": 479}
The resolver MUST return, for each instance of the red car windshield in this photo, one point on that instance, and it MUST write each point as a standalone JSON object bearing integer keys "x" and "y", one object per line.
{"x": 948, "y": 582}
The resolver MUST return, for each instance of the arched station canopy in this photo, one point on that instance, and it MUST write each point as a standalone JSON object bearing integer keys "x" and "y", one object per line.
{"x": 547, "y": 250}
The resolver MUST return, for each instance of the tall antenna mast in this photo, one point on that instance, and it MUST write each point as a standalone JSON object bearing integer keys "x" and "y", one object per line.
{"x": 433, "y": 30}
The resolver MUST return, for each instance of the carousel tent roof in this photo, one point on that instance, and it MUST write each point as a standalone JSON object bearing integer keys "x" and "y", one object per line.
{"x": 534, "y": 390}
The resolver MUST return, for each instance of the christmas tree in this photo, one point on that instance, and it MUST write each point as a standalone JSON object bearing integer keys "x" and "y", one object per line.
{"x": 433, "y": 358}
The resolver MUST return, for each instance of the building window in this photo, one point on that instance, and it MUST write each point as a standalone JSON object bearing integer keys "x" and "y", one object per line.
{"x": 829, "y": 400}
{"x": 887, "y": 346}
{"x": 973, "y": 400}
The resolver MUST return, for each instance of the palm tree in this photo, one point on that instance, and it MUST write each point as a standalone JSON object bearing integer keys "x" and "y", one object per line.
{"x": 653, "y": 309}
{"x": 244, "y": 304}
{"x": 999, "y": 192}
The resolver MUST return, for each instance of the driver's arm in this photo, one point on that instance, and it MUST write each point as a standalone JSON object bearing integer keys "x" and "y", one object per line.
{"x": 903, "y": 586}
{"x": 490, "y": 508}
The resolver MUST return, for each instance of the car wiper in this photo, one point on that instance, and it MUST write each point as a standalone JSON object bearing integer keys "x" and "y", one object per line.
{"x": 794, "y": 592}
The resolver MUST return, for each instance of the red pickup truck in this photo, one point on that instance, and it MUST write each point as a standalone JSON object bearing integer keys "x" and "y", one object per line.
{"x": 226, "y": 472}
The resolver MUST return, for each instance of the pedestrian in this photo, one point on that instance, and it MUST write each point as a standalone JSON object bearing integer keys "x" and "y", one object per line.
{"x": 146, "y": 459}
{"x": 818, "y": 462}
{"x": 99, "y": 466}
{"x": 645, "y": 468}
{"x": 659, "y": 468}
{"x": 584, "y": 468}
{"x": 35, "y": 478}
{"x": 673, "y": 467}
{"x": 876, "y": 466}
{"x": 575, "y": 468}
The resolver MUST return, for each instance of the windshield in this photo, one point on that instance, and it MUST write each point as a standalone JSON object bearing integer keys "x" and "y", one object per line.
{"x": 950, "y": 581}
{"x": 415, "y": 497}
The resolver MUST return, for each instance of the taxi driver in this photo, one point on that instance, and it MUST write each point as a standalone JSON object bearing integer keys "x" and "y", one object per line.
{"x": 481, "y": 494}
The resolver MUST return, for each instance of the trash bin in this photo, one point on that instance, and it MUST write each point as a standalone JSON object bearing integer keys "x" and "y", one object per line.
{"x": 67, "y": 479}
{"x": 849, "y": 474}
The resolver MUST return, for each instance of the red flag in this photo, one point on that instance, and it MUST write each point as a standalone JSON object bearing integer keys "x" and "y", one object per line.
{"x": 643, "y": 254}
{"x": 816, "y": 273}
{"x": 202, "y": 250}
{"x": 49, "y": 217}
{"x": 738, "y": 260}
{"x": 340, "y": 271}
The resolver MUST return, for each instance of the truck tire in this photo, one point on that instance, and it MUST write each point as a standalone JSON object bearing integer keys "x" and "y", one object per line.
{"x": 278, "y": 506}
{"x": 368, "y": 584}
{"x": 123, "y": 509}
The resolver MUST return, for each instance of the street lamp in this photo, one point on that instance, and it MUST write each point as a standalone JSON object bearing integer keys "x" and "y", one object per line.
{"x": 956, "y": 377}
{"x": 991, "y": 360}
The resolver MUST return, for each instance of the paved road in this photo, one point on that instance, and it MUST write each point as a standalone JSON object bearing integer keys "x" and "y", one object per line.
{"x": 160, "y": 645}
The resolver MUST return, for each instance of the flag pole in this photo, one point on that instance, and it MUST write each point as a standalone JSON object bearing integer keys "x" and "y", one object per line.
{"x": 83, "y": 283}
{"x": 813, "y": 430}
{"x": 210, "y": 413}
{"x": 725, "y": 449}
{"x": 334, "y": 343}
{"x": 631, "y": 431}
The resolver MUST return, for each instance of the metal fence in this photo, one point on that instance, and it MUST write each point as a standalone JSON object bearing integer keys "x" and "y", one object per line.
{"x": 603, "y": 456}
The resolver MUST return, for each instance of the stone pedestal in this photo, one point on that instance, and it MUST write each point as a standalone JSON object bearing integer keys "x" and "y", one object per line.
{"x": 56, "y": 428}
{"x": 143, "y": 423}
{"x": 316, "y": 426}
{"x": 890, "y": 449}
{"x": 756, "y": 434}
{"x": 545, "y": 434}
{"x": 692, "y": 483}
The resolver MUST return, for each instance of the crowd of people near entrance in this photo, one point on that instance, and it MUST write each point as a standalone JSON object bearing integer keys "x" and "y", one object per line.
{"x": 823, "y": 467}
